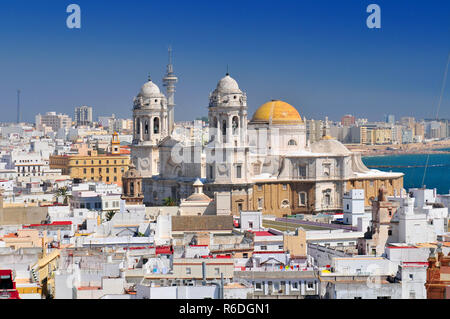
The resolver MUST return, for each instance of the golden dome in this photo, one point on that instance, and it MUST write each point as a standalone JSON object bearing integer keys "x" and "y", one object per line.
{"x": 327, "y": 137}
{"x": 279, "y": 112}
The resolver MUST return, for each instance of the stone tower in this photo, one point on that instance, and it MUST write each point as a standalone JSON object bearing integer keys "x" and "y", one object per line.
{"x": 132, "y": 186}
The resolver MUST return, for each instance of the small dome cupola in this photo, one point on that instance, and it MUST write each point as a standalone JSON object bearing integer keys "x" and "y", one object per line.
{"x": 228, "y": 85}
{"x": 149, "y": 90}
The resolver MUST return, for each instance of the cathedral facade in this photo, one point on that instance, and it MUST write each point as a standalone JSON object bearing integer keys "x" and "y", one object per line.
{"x": 265, "y": 163}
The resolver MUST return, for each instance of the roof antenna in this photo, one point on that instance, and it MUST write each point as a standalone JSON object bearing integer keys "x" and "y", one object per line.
{"x": 228, "y": 73}
{"x": 149, "y": 78}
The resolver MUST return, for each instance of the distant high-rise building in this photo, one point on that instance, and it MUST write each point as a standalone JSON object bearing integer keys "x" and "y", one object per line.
{"x": 407, "y": 121}
{"x": 53, "y": 120}
{"x": 390, "y": 118}
{"x": 83, "y": 115}
{"x": 348, "y": 120}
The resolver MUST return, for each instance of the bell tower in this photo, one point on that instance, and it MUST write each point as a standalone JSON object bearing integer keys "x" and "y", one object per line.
{"x": 115, "y": 144}
{"x": 132, "y": 186}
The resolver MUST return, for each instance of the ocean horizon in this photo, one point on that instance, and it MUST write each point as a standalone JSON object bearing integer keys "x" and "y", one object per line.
{"x": 437, "y": 173}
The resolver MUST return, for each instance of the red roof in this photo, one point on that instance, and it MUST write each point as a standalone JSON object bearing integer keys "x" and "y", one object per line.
{"x": 163, "y": 250}
{"x": 262, "y": 233}
{"x": 63, "y": 223}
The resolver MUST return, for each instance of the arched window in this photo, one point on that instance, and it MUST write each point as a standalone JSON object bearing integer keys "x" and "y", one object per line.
{"x": 235, "y": 125}
{"x": 224, "y": 127}
{"x": 146, "y": 127}
{"x": 131, "y": 188}
{"x": 156, "y": 125}
{"x": 292, "y": 143}
{"x": 138, "y": 126}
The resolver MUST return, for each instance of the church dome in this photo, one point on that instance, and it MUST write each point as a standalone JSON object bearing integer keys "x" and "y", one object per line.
{"x": 277, "y": 112}
{"x": 329, "y": 145}
{"x": 228, "y": 85}
{"x": 150, "y": 89}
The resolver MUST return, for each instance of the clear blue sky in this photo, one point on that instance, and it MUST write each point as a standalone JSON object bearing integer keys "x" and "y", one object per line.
{"x": 316, "y": 55}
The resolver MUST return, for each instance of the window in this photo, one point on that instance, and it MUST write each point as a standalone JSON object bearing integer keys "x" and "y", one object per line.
{"x": 310, "y": 285}
{"x": 259, "y": 187}
{"x": 92, "y": 170}
{"x": 260, "y": 203}
{"x": 115, "y": 169}
{"x": 302, "y": 171}
{"x": 238, "y": 171}
{"x": 294, "y": 285}
{"x": 276, "y": 286}
{"x": 107, "y": 178}
{"x": 258, "y": 286}
{"x": 326, "y": 169}
{"x": 390, "y": 232}
{"x": 292, "y": 143}
{"x": 245, "y": 255}
{"x": 217, "y": 271}
{"x": 280, "y": 246}
{"x": 188, "y": 271}
{"x": 263, "y": 247}
{"x": 302, "y": 199}
{"x": 107, "y": 170}
{"x": 84, "y": 171}
{"x": 240, "y": 207}
{"x": 235, "y": 125}
{"x": 156, "y": 125}
{"x": 411, "y": 276}
{"x": 285, "y": 203}
{"x": 284, "y": 187}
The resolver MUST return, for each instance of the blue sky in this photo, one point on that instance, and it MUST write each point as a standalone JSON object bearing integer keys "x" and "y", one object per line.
{"x": 316, "y": 55}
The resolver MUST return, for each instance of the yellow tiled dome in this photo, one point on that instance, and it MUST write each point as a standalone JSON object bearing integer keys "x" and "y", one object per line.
{"x": 279, "y": 112}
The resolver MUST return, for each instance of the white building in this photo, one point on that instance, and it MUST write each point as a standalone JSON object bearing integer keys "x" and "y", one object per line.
{"x": 353, "y": 206}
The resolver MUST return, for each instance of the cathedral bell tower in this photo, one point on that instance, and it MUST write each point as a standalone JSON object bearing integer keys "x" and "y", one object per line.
{"x": 150, "y": 127}
{"x": 227, "y": 152}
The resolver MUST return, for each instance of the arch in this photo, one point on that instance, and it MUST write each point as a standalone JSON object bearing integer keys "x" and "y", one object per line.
{"x": 224, "y": 127}
{"x": 156, "y": 125}
{"x": 146, "y": 127}
{"x": 138, "y": 126}
{"x": 235, "y": 124}
{"x": 292, "y": 143}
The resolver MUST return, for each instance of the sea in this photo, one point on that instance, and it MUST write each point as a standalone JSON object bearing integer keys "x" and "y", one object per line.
{"x": 413, "y": 166}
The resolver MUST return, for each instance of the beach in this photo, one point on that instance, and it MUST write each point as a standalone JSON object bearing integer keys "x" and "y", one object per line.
{"x": 429, "y": 147}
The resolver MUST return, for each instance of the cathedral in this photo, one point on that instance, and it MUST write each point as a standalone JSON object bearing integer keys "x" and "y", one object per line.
{"x": 263, "y": 162}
